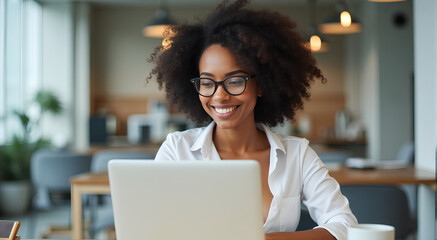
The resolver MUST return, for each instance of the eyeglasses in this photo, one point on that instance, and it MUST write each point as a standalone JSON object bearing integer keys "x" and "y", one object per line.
{"x": 233, "y": 85}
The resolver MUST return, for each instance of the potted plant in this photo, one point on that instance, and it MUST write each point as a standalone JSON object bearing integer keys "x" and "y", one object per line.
{"x": 15, "y": 155}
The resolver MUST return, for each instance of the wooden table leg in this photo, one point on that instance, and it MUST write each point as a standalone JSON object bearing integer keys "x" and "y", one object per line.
{"x": 76, "y": 212}
{"x": 76, "y": 204}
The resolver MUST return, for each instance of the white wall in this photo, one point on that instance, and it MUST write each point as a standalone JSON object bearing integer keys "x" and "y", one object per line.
{"x": 368, "y": 83}
{"x": 425, "y": 56}
{"x": 120, "y": 52}
{"x": 425, "y": 47}
{"x": 395, "y": 49}
{"x": 384, "y": 71}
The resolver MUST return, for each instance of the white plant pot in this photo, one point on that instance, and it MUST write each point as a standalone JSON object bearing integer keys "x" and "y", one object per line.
{"x": 14, "y": 197}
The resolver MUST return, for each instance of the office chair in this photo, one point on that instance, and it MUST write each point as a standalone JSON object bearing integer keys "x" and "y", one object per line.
{"x": 100, "y": 159}
{"x": 406, "y": 153}
{"x": 305, "y": 221}
{"x": 50, "y": 174}
{"x": 382, "y": 204}
{"x": 51, "y": 171}
{"x": 101, "y": 213}
{"x": 334, "y": 156}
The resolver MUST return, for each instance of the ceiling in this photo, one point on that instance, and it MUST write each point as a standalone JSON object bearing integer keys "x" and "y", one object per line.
{"x": 194, "y": 2}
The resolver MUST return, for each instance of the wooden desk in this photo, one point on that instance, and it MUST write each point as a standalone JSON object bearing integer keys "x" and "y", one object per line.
{"x": 409, "y": 175}
{"x": 151, "y": 148}
{"x": 88, "y": 183}
{"x": 98, "y": 183}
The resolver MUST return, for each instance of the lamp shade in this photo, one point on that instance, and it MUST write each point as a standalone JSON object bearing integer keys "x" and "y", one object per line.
{"x": 156, "y": 27}
{"x": 340, "y": 23}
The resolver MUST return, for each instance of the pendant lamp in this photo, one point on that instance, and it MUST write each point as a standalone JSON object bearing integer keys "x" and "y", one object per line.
{"x": 314, "y": 41}
{"x": 341, "y": 22}
{"x": 156, "y": 28}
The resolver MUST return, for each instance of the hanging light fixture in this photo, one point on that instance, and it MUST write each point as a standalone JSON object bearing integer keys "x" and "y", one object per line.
{"x": 341, "y": 22}
{"x": 314, "y": 42}
{"x": 157, "y": 26}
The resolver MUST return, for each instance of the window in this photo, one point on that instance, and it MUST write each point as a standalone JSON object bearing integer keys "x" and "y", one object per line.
{"x": 20, "y": 53}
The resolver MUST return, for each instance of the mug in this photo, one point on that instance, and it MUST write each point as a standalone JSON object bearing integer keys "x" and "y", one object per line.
{"x": 371, "y": 231}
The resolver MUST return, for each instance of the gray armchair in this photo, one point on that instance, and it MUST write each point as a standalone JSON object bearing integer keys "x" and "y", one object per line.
{"x": 50, "y": 174}
{"x": 383, "y": 204}
{"x": 51, "y": 171}
{"x": 101, "y": 158}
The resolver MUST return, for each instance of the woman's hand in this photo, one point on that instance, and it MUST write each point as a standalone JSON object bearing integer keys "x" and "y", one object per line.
{"x": 313, "y": 234}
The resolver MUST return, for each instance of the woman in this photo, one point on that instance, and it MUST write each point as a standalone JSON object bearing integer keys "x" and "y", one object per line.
{"x": 246, "y": 70}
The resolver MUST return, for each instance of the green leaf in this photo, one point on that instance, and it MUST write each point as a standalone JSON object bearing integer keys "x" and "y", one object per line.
{"x": 5, "y": 163}
{"x": 49, "y": 102}
{"x": 40, "y": 144}
{"x": 24, "y": 119}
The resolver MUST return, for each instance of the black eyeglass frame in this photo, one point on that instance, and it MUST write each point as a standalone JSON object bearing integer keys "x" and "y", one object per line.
{"x": 193, "y": 81}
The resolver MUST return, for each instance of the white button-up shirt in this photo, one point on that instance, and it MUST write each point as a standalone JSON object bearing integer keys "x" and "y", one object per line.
{"x": 296, "y": 174}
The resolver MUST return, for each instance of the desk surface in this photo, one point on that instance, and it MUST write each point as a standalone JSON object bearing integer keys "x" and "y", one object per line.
{"x": 344, "y": 175}
{"x": 408, "y": 175}
{"x": 151, "y": 148}
{"x": 90, "y": 178}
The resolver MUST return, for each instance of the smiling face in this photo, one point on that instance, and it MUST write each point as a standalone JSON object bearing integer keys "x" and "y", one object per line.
{"x": 227, "y": 111}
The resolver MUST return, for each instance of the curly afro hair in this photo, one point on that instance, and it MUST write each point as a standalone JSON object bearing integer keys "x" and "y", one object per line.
{"x": 264, "y": 42}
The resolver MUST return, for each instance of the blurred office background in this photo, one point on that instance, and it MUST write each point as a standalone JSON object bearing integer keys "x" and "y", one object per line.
{"x": 93, "y": 55}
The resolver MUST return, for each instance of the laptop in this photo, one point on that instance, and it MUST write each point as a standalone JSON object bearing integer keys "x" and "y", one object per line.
{"x": 189, "y": 200}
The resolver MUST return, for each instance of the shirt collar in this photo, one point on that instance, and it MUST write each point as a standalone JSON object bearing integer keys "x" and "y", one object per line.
{"x": 206, "y": 146}
{"x": 276, "y": 146}
{"x": 273, "y": 138}
{"x": 204, "y": 141}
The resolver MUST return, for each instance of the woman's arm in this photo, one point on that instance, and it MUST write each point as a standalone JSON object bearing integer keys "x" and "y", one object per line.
{"x": 322, "y": 196}
{"x": 313, "y": 234}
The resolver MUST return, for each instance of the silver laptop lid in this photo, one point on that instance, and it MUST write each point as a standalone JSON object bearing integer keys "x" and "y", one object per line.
{"x": 189, "y": 200}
